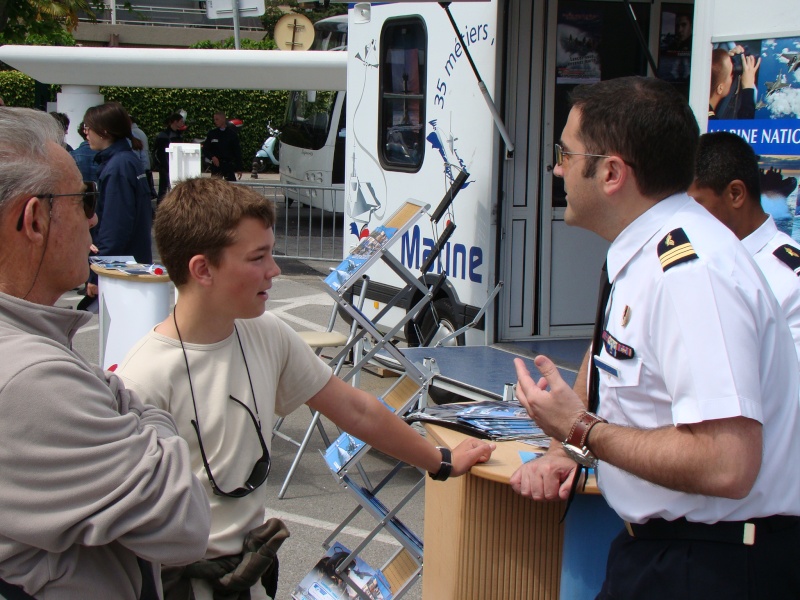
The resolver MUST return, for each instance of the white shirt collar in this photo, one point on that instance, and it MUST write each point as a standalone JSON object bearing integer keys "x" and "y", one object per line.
{"x": 761, "y": 236}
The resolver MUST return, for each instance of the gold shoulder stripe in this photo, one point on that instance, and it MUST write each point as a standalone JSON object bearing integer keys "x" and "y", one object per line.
{"x": 674, "y": 249}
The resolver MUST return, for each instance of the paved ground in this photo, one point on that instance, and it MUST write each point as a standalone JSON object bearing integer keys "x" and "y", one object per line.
{"x": 314, "y": 504}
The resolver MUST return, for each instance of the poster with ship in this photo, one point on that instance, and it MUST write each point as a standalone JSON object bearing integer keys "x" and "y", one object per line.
{"x": 578, "y": 44}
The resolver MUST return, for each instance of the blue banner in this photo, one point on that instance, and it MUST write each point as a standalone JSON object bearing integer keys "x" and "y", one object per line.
{"x": 778, "y": 137}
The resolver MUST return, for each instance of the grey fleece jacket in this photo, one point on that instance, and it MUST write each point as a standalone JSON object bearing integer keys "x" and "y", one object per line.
{"x": 90, "y": 477}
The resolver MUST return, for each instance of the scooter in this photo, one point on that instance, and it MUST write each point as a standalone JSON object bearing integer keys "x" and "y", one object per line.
{"x": 268, "y": 153}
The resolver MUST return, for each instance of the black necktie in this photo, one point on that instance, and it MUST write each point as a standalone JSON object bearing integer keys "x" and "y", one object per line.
{"x": 593, "y": 372}
{"x": 597, "y": 338}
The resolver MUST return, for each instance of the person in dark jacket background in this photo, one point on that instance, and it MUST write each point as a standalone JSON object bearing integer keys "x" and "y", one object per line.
{"x": 124, "y": 210}
{"x": 221, "y": 149}
{"x": 173, "y": 130}
{"x": 84, "y": 157}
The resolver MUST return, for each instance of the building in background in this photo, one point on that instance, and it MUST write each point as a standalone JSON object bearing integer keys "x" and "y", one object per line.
{"x": 160, "y": 24}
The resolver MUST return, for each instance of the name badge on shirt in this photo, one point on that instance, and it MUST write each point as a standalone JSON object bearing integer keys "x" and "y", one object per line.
{"x": 615, "y": 348}
{"x": 600, "y": 364}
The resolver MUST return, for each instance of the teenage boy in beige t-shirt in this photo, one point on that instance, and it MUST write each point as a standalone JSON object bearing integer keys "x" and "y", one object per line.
{"x": 223, "y": 367}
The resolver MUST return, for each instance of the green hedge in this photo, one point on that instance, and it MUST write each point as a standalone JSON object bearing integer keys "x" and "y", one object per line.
{"x": 151, "y": 106}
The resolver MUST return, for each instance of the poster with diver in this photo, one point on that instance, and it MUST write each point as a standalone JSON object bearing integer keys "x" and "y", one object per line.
{"x": 766, "y": 114}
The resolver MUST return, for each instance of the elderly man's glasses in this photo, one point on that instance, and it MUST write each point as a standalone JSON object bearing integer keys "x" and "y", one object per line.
{"x": 561, "y": 153}
{"x": 260, "y": 470}
{"x": 88, "y": 196}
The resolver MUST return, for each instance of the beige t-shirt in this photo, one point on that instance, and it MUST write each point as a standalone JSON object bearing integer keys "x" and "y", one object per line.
{"x": 285, "y": 372}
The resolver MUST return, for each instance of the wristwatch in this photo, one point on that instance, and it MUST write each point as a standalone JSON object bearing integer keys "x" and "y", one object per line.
{"x": 575, "y": 444}
{"x": 446, "y": 466}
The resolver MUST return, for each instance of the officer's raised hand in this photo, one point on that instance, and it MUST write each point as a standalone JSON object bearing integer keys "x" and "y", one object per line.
{"x": 554, "y": 411}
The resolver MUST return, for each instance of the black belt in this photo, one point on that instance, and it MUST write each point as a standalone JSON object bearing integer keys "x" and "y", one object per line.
{"x": 728, "y": 532}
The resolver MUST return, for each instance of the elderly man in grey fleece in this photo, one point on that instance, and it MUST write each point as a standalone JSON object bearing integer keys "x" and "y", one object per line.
{"x": 96, "y": 488}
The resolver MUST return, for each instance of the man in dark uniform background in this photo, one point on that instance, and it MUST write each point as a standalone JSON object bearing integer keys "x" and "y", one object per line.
{"x": 174, "y": 126}
{"x": 222, "y": 149}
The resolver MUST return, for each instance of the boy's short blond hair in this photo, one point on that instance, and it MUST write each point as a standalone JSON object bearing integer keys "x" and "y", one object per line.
{"x": 200, "y": 216}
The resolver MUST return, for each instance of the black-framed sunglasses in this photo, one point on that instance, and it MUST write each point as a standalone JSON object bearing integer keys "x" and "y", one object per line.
{"x": 88, "y": 196}
{"x": 260, "y": 470}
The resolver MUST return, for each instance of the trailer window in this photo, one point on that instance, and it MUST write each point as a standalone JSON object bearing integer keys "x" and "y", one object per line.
{"x": 308, "y": 119}
{"x": 402, "y": 94}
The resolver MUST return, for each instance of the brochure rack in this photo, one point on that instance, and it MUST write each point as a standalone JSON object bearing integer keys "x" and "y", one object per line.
{"x": 404, "y": 566}
{"x": 409, "y": 391}
{"x": 371, "y": 249}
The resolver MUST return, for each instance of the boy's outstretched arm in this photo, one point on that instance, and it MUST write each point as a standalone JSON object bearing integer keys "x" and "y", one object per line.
{"x": 363, "y": 416}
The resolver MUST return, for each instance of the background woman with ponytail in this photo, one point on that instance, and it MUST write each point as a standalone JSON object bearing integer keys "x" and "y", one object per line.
{"x": 124, "y": 210}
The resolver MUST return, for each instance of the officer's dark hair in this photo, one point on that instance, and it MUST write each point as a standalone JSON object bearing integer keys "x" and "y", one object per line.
{"x": 644, "y": 121}
{"x": 722, "y": 157}
{"x": 173, "y": 118}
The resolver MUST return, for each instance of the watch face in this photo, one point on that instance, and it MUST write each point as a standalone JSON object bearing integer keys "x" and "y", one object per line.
{"x": 580, "y": 456}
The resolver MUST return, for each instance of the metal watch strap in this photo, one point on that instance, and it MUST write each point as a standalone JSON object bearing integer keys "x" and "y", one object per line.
{"x": 581, "y": 428}
{"x": 446, "y": 466}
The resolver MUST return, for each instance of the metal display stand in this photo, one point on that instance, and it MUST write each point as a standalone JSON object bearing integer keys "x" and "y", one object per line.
{"x": 404, "y": 568}
{"x": 367, "y": 253}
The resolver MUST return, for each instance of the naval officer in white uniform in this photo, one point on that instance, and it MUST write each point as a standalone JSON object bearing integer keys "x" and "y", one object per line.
{"x": 698, "y": 419}
{"x": 728, "y": 184}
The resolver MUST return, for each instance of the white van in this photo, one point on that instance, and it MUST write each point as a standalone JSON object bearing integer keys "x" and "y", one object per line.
{"x": 313, "y": 133}
{"x": 417, "y": 116}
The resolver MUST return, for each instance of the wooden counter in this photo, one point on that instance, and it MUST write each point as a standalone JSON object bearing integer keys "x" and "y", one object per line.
{"x": 484, "y": 542}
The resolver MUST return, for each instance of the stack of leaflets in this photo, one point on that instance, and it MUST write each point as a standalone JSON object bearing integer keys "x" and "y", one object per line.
{"x": 112, "y": 262}
{"x": 324, "y": 583}
{"x": 127, "y": 265}
{"x": 490, "y": 419}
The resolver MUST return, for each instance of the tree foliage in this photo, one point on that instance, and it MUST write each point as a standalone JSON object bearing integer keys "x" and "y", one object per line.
{"x": 41, "y": 22}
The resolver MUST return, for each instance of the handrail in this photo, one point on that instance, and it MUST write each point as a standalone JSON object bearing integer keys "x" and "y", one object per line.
{"x": 134, "y": 9}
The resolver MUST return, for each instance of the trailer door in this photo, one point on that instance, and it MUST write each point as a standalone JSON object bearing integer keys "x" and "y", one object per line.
{"x": 552, "y": 270}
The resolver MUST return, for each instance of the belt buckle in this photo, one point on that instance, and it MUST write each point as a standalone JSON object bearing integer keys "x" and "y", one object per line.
{"x": 749, "y": 537}
{"x": 629, "y": 529}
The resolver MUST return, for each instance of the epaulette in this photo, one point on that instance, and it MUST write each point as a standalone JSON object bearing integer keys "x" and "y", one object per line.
{"x": 790, "y": 256}
{"x": 675, "y": 249}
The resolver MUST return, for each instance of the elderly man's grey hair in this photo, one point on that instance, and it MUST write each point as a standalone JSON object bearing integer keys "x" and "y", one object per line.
{"x": 26, "y": 166}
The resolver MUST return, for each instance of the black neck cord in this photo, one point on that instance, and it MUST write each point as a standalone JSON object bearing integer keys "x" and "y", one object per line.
{"x": 189, "y": 374}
